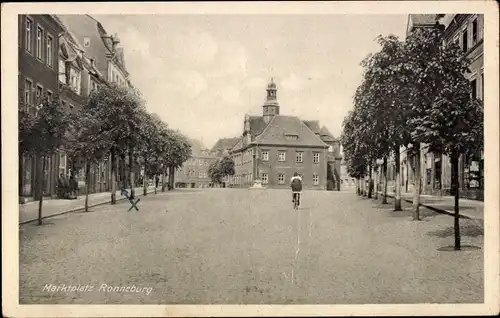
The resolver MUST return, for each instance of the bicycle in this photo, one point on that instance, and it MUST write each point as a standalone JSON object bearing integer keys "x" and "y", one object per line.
{"x": 296, "y": 200}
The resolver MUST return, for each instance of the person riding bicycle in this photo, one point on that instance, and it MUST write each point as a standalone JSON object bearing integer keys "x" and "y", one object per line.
{"x": 296, "y": 185}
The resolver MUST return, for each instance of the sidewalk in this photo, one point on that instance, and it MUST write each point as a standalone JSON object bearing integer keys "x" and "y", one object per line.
{"x": 470, "y": 209}
{"x": 28, "y": 212}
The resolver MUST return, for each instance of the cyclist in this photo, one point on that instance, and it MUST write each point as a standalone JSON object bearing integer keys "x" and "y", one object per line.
{"x": 296, "y": 185}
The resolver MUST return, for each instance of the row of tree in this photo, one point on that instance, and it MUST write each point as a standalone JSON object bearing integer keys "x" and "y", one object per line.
{"x": 113, "y": 123}
{"x": 414, "y": 93}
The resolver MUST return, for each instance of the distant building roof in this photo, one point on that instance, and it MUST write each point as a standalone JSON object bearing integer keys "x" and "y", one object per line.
{"x": 313, "y": 125}
{"x": 420, "y": 20}
{"x": 288, "y": 130}
{"x": 225, "y": 143}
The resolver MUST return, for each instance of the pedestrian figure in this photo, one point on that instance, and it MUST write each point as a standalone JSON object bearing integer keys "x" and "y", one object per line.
{"x": 157, "y": 181}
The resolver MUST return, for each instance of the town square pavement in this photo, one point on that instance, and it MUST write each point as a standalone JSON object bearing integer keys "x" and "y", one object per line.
{"x": 228, "y": 246}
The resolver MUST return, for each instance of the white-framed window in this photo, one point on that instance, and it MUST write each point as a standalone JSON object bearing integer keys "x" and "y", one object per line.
{"x": 281, "y": 178}
{"x": 475, "y": 31}
{"x": 71, "y": 106}
{"x": 473, "y": 88}
{"x": 62, "y": 70}
{"x": 39, "y": 93}
{"x": 282, "y": 156}
{"x": 50, "y": 95}
{"x": 330, "y": 149}
{"x": 75, "y": 78}
{"x": 28, "y": 91}
{"x": 28, "y": 34}
{"x": 316, "y": 157}
{"x": 299, "y": 156}
{"x": 465, "y": 40}
{"x": 39, "y": 42}
{"x": 50, "y": 50}
{"x": 315, "y": 179}
{"x": 265, "y": 155}
{"x": 200, "y": 174}
{"x": 62, "y": 163}
{"x": 264, "y": 178}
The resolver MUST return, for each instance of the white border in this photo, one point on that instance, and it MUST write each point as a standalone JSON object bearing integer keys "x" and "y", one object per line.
{"x": 10, "y": 243}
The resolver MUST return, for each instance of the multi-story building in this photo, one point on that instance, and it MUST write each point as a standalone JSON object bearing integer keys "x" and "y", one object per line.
{"x": 274, "y": 146}
{"x": 37, "y": 78}
{"x": 194, "y": 172}
{"x": 224, "y": 145}
{"x": 91, "y": 57}
{"x": 467, "y": 30}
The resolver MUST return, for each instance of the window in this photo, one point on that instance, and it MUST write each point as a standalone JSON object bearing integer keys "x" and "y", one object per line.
{"x": 281, "y": 178}
{"x": 75, "y": 80}
{"x": 28, "y": 87}
{"x": 265, "y": 178}
{"x": 62, "y": 163}
{"x": 50, "y": 50}
{"x": 201, "y": 174}
{"x": 473, "y": 87}
{"x": 71, "y": 106}
{"x": 86, "y": 42}
{"x": 291, "y": 137}
{"x": 316, "y": 157}
{"x": 474, "y": 32}
{"x": 49, "y": 96}
{"x": 282, "y": 156}
{"x": 39, "y": 93}
{"x": 27, "y": 36}
{"x": 465, "y": 37}
{"x": 482, "y": 86}
{"x": 315, "y": 179}
{"x": 299, "y": 156}
{"x": 330, "y": 149}
{"x": 265, "y": 156}
{"x": 39, "y": 43}
{"x": 62, "y": 70}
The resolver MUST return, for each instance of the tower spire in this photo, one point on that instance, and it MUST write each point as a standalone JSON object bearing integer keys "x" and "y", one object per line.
{"x": 271, "y": 106}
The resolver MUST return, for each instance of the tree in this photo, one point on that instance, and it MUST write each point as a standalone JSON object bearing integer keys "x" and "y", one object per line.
{"x": 85, "y": 142}
{"x": 220, "y": 169}
{"x": 450, "y": 121}
{"x": 178, "y": 152}
{"x": 41, "y": 134}
{"x": 118, "y": 109}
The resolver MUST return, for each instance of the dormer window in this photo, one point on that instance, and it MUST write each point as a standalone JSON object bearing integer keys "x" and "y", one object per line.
{"x": 291, "y": 136}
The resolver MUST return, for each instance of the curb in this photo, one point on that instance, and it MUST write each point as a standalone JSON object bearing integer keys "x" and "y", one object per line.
{"x": 78, "y": 209}
{"x": 430, "y": 207}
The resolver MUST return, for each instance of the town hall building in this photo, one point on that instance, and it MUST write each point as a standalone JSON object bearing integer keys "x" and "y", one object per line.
{"x": 274, "y": 146}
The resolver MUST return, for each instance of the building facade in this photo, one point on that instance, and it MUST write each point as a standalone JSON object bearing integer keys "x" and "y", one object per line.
{"x": 37, "y": 79}
{"x": 467, "y": 30}
{"x": 194, "y": 172}
{"x": 273, "y": 147}
{"x": 66, "y": 56}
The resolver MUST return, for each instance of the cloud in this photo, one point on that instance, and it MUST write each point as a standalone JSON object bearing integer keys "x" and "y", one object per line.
{"x": 294, "y": 82}
{"x": 231, "y": 60}
{"x": 193, "y": 47}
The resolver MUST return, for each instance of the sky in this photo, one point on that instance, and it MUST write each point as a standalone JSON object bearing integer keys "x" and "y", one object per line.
{"x": 202, "y": 73}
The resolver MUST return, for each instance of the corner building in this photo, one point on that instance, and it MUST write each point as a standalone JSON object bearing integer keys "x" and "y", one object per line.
{"x": 273, "y": 147}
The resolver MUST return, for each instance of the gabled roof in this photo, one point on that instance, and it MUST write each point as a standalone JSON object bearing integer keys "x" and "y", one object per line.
{"x": 313, "y": 125}
{"x": 257, "y": 125}
{"x": 326, "y": 135}
{"x": 225, "y": 143}
{"x": 423, "y": 19}
{"x": 281, "y": 126}
{"x": 196, "y": 147}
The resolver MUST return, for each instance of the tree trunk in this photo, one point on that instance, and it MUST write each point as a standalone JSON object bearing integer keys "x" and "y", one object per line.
{"x": 40, "y": 191}
{"x": 384, "y": 190}
{"x": 145, "y": 179}
{"x": 87, "y": 185}
{"x": 154, "y": 180}
{"x": 397, "y": 198}
{"x": 416, "y": 190}
{"x": 375, "y": 194}
{"x": 113, "y": 176}
{"x": 131, "y": 173}
{"x": 171, "y": 179}
{"x": 456, "y": 192}
{"x": 369, "y": 182}
{"x": 163, "y": 181}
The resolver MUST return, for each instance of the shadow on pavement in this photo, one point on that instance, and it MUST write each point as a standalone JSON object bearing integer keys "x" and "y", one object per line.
{"x": 471, "y": 230}
{"x": 450, "y": 248}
